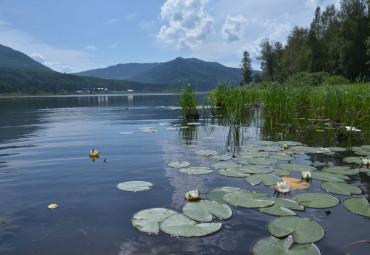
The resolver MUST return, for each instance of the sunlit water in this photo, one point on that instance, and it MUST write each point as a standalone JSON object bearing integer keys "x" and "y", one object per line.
{"x": 44, "y": 159}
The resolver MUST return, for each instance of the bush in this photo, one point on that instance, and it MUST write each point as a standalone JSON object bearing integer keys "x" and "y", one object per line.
{"x": 305, "y": 78}
{"x": 336, "y": 80}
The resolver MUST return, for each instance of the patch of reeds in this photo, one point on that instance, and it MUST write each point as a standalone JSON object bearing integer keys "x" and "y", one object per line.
{"x": 188, "y": 100}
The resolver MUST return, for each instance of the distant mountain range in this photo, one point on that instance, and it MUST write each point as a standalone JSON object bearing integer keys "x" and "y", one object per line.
{"x": 201, "y": 74}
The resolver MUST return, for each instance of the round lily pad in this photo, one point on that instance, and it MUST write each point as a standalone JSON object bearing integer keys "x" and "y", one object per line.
{"x": 266, "y": 179}
{"x": 358, "y": 205}
{"x": 273, "y": 245}
{"x": 360, "y": 151}
{"x": 282, "y": 157}
{"x": 217, "y": 194}
{"x": 365, "y": 147}
{"x": 178, "y": 164}
{"x": 206, "y": 153}
{"x": 280, "y": 172}
{"x": 341, "y": 170}
{"x": 247, "y": 199}
{"x": 222, "y": 157}
{"x": 148, "y": 220}
{"x": 316, "y": 200}
{"x": 257, "y": 169}
{"x": 329, "y": 177}
{"x": 303, "y": 230}
{"x": 233, "y": 172}
{"x": 281, "y": 206}
{"x": 262, "y": 161}
{"x": 180, "y": 225}
{"x": 224, "y": 165}
{"x": 289, "y": 143}
{"x": 307, "y": 149}
{"x": 297, "y": 167}
{"x": 196, "y": 170}
{"x": 340, "y": 188}
{"x": 134, "y": 186}
{"x": 205, "y": 210}
{"x": 356, "y": 160}
{"x": 254, "y": 154}
{"x": 336, "y": 149}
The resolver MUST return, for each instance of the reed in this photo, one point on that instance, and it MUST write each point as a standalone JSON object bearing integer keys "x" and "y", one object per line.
{"x": 188, "y": 101}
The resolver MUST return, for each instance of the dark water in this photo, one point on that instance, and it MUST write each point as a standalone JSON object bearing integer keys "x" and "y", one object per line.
{"x": 44, "y": 147}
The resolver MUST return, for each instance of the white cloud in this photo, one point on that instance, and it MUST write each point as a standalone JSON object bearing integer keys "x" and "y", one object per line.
{"x": 234, "y": 28}
{"x": 322, "y": 3}
{"x": 188, "y": 23}
{"x": 57, "y": 58}
{"x": 114, "y": 45}
{"x": 130, "y": 16}
{"x": 90, "y": 47}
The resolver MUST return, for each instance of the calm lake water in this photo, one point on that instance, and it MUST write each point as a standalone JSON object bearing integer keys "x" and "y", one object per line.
{"x": 44, "y": 159}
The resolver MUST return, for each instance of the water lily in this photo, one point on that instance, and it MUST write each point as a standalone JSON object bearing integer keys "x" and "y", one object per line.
{"x": 193, "y": 194}
{"x": 282, "y": 187}
{"x": 94, "y": 153}
{"x": 306, "y": 175}
{"x": 365, "y": 161}
{"x": 52, "y": 206}
{"x": 352, "y": 129}
{"x": 285, "y": 146}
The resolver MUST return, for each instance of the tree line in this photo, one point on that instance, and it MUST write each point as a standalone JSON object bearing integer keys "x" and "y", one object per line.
{"x": 337, "y": 43}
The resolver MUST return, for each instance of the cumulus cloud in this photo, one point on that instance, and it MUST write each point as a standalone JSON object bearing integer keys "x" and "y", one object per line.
{"x": 188, "y": 23}
{"x": 234, "y": 28}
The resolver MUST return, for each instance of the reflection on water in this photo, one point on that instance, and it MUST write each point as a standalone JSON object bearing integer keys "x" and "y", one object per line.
{"x": 44, "y": 159}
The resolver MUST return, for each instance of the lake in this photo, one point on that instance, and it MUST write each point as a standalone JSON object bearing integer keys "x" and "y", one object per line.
{"x": 44, "y": 159}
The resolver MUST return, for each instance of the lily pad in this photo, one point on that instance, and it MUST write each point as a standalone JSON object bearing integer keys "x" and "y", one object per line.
{"x": 233, "y": 172}
{"x": 358, "y": 205}
{"x": 281, "y": 206}
{"x": 297, "y": 167}
{"x": 148, "y": 220}
{"x": 316, "y": 200}
{"x": 134, "y": 186}
{"x": 205, "y": 210}
{"x": 341, "y": 170}
{"x": 280, "y": 172}
{"x": 295, "y": 183}
{"x": 307, "y": 149}
{"x": 196, "y": 170}
{"x": 266, "y": 179}
{"x": 289, "y": 143}
{"x": 206, "y": 153}
{"x": 271, "y": 148}
{"x": 329, "y": 177}
{"x": 262, "y": 161}
{"x": 178, "y": 164}
{"x": 224, "y": 165}
{"x": 217, "y": 194}
{"x": 222, "y": 157}
{"x": 303, "y": 230}
{"x": 282, "y": 157}
{"x": 247, "y": 199}
{"x": 336, "y": 149}
{"x": 356, "y": 160}
{"x": 365, "y": 147}
{"x": 360, "y": 151}
{"x": 340, "y": 188}
{"x": 273, "y": 245}
{"x": 257, "y": 169}
{"x": 180, "y": 225}
{"x": 254, "y": 154}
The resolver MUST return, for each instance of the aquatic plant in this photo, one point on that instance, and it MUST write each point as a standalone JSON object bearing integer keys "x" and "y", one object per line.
{"x": 188, "y": 101}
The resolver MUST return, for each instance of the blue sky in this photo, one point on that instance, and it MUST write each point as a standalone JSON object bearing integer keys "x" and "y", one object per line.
{"x": 76, "y": 35}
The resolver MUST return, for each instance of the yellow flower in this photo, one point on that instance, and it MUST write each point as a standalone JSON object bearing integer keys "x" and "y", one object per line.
{"x": 191, "y": 195}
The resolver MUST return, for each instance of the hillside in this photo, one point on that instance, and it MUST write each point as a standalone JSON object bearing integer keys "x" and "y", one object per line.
{"x": 14, "y": 59}
{"x": 204, "y": 75}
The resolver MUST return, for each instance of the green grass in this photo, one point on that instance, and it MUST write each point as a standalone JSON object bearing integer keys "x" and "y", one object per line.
{"x": 188, "y": 101}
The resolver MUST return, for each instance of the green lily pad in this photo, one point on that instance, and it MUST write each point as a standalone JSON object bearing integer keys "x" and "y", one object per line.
{"x": 224, "y": 165}
{"x": 340, "y": 188}
{"x": 341, "y": 170}
{"x": 262, "y": 161}
{"x": 264, "y": 142}
{"x": 271, "y": 148}
{"x": 365, "y": 147}
{"x": 206, "y": 153}
{"x": 280, "y": 172}
{"x": 358, "y": 205}
{"x": 282, "y": 157}
{"x": 360, "y": 151}
{"x": 247, "y": 199}
{"x": 273, "y": 245}
{"x": 303, "y": 230}
{"x": 336, "y": 149}
{"x": 307, "y": 149}
{"x": 281, "y": 207}
{"x": 134, "y": 186}
{"x": 180, "y": 225}
{"x": 328, "y": 177}
{"x": 196, "y": 170}
{"x": 243, "y": 162}
{"x": 316, "y": 200}
{"x": 266, "y": 179}
{"x": 217, "y": 194}
{"x": 297, "y": 167}
{"x": 356, "y": 160}
{"x": 257, "y": 169}
{"x": 222, "y": 157}
{"x": 254, "y": 154}
{"x": 205, "y": 210}
{"x": 289, "y": 143}
{"x": 148, "y": 220}
{"x": 178, "y": 164}
{"x": 249, "y": 147}
{"x": 233, "y": 172}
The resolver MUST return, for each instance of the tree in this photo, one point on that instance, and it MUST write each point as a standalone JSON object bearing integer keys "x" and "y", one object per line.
{"x": 269, "y": 57}
{"x": 246, "y": 68}
{"x": 314, "y": 43}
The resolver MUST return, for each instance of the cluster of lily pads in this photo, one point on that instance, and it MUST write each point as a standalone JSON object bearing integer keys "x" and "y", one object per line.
{"x": 254, "y": 163}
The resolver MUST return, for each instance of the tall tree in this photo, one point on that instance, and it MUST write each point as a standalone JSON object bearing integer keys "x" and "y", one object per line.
{"x": 268, "y": 58}
{"x": 313, "y": 41}
{"x": 246, "y": 68}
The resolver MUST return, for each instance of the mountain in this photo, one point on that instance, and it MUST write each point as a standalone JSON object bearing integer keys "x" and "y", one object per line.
{"x": 14, "y": 59}
{"x": 201, "y": 74}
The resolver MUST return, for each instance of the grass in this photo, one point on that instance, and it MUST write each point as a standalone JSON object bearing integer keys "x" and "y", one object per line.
{"x": 188, "y": 101}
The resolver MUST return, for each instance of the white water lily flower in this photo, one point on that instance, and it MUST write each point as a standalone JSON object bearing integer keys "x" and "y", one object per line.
{"x": 352, "y": 129}
{"x": 306, "y": 175}
{"x": 365, "y": 161}
{"x": 94, "y": 153}
{"x": 282, "y": 187}
{"x": 285, "y": 146}
{"x": 194, "y": 194}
